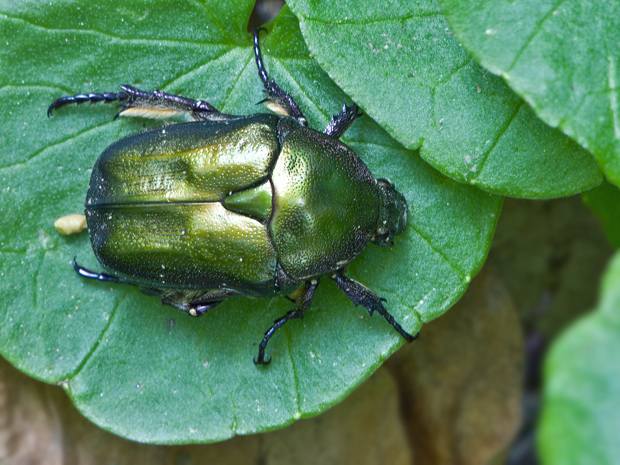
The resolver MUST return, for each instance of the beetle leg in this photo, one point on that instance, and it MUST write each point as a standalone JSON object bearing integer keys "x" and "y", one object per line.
{"x": 98, "y": 276}
{"x": 194, "y": 303}
{"x": 105, "y": 97}
{"x": 341, "y": 122}
{"x": 160, "y": 105}
{"x": 361, "y": 295}
{"x": 297, "y": 312}
{"x": 282, "y": 102}
{"x": 156, "y": 104}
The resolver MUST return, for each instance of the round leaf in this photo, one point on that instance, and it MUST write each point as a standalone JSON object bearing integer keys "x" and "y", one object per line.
{"x": 563, "y": 58}
{"x": 401, "y": 64}
{"x": 130, "y": 364}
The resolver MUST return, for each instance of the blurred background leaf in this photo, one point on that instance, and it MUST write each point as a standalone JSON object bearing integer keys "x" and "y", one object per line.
{"x": 604, "y": 201}
{"x": 581, "y": 410}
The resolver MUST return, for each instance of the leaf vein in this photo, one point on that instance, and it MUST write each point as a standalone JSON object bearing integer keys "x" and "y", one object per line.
{"x": 97, "y": 343}
{"x": 613, "y": 95}
{"x": 215, "y": 19}
{"x": 237, "y": 78}
{"x": 439, "y": 252}
{"x": 453, "y": 72}
{"x": 60, "y": 142}
{"x": 295, "y": 374}
{"x": 533, "y": 34}
{"x": 107, "y": 35}
{"x": 32, "y": 86}
{"x": 501, "y": 132}
{"x": 373, "y": 21}
{"x": 190, "y": 71}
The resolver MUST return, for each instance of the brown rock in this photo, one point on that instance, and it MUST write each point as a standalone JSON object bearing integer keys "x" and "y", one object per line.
{"x": 461, "y": 380}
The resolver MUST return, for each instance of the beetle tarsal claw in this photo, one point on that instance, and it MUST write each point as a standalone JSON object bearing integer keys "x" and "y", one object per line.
{"x": 263, "y": 362}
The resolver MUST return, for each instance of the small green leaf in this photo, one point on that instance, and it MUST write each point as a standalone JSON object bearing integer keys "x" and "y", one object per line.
{"x": 581, "y": 409}
{"x": 604, "y": 201}
{"x": 563, "y": 58}
{"x": 400, "y": 63}
{"x": 146, "y": 371}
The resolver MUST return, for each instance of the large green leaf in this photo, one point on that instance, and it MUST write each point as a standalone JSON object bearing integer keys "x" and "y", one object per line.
{"x": 146, "y": 371}
{"x": 581, "y": 409}
{"x": 400, "y": 63}
{"x": 562, "y": 57}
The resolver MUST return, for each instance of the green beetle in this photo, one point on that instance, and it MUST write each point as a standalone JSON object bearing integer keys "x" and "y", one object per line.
{"x": 231, "y": 205}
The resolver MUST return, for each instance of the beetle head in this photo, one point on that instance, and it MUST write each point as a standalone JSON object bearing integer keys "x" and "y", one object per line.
{"x": 392, "y": 214}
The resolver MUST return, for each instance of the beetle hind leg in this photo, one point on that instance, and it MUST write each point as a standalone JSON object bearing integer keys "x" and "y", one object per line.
{"x": 277, "y": 100}
{"x": 297, "y": 312}
{"x": 105, "y": 97}
{"x": 86, "y": 273}
{"x": 194, "y": 303}
{"x": 154, "y": 105}
{"x": 361, "y": 295}
{"x": 161, "y": 105}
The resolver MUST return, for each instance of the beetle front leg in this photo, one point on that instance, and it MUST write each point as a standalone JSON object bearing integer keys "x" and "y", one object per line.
{"x": 361, "y": 295}
{"x": 297, "y": 312}
{"x": 341, "y": 122}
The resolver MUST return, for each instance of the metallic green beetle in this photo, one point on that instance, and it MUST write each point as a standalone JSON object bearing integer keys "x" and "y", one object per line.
{"x": 231, "y": 205}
